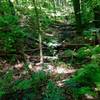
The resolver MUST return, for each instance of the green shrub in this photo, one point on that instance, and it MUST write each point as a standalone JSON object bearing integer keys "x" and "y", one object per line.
{"x": 84, "y": 52}
{"x": 85, "y": 80}
{"x": 11, "y": 34}
{"x": 53, "y": 92}
{"x": 29, "y": 87}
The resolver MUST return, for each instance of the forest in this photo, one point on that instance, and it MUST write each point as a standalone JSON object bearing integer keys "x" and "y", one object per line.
{"x": 49, "y": 49}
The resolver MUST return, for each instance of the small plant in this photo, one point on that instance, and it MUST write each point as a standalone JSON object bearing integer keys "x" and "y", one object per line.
{"x": 53, "y": 92}
{"x": 84, "y": 52}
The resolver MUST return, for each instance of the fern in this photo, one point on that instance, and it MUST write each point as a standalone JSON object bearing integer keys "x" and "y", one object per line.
{"x": 53, "y": 92}
{"x": 85, "y": 80}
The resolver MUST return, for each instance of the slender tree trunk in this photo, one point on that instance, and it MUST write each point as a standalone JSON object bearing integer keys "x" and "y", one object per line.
{"x": 38, "y": 31}
{"x": 76, "y": 5}
{"x": 54, "y": 8}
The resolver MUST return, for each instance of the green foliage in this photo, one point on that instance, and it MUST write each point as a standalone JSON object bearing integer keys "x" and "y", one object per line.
{"x": 53, "y": 92}
{"x": 39, "y": 78}
{"x": 5, "y": 7}
{"x": 96, "y": 49}
{"x": 11, "y": 33}
{"x": 91, "y": 52}
{"x": 24, "y": 84}
{"x": 82, "y": 56}
{"x": 87, "y": 10}
{"x": 6, "y": 82}
{"x": 89, "y": 35}
{"x": 30, "y": 86}
{"x": 69, "y": 53}
{"x": 12, "y": 37}
{"x": 89, "y": 72}
{"x": 85, "y": 80}
{"x": 84, "y": 52}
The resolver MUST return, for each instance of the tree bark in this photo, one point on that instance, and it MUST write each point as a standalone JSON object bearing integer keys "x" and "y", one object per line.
{"x": 38, "y": 31}
{"x": 76, "y": 5}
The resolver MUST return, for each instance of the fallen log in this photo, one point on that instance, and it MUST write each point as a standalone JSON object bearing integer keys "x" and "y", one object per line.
{"x": 70, "y": 46}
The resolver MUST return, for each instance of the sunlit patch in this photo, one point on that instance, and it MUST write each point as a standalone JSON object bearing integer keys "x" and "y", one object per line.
{"x": 30, "y": 66}
{"x": 19, "y": 66}
{"x": 89, "y": 97}
{"x": 38, "y": 68}
{"x": 12, "y": 0}
{"x": 61, "y": 83}
{"x": 60, "y": 70}
{"x": 49, "y": 68}
{"x": 35, "y": 68}
{"x": 30, "y": 7}
{"x": 52, "y": 69}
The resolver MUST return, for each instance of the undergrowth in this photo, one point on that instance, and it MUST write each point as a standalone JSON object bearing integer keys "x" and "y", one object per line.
{"x": 40, "y": 86}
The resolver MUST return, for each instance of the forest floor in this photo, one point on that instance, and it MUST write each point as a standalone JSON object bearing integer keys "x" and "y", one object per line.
{"x": 56, "y": 64}
{"x": 65, "y": 36}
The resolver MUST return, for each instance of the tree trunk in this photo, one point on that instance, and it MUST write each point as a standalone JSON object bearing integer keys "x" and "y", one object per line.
{"x": 97, "y": 16}
{"x": 38, "y": 31}
{"x": 76, "y": 5}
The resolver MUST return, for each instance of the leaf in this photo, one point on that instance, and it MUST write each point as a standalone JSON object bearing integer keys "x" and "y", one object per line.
{"x": 25, "y": 84}
{"x": 1, "y": 93}
{"x": 85, "y": 90}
